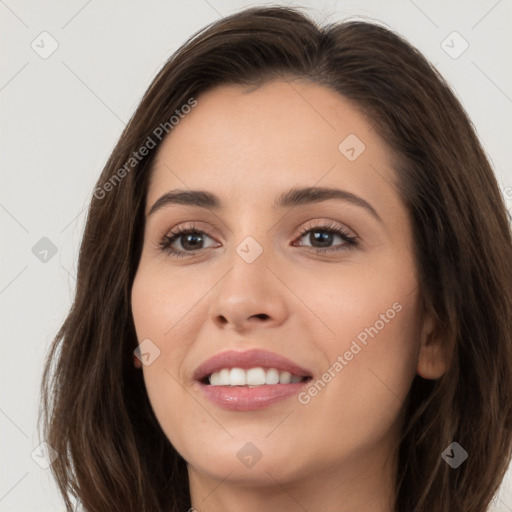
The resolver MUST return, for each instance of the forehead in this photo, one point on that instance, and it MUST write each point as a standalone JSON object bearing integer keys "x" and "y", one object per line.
{"x": 247, "y": 145}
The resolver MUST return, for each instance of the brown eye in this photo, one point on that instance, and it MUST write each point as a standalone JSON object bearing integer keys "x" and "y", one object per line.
{"x": 321, "y": 238}
{"x": 183, "y": 241}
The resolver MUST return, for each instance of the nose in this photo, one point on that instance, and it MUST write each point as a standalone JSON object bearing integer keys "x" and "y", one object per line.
{"x": 250, "y": 296}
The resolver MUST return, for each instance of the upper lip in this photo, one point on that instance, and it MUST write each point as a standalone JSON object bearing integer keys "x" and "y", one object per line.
{"x": 248, "y": 359}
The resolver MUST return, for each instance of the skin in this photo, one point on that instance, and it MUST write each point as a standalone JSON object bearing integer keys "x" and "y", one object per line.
{"x": 336, "y": 452}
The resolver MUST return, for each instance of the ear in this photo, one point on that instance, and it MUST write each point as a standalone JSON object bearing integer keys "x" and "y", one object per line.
{"x": 137, "y": 362}
{"x": 432, "y": 359}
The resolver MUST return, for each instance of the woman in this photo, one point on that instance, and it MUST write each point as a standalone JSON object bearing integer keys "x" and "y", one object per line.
{"x": 294, "y": 287}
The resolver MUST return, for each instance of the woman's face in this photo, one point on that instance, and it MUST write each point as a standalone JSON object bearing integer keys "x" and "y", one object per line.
{"x": 321, "y": 284}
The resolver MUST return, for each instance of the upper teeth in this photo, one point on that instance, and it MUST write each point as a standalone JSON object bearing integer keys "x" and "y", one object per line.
{"x": 252, "y": 377}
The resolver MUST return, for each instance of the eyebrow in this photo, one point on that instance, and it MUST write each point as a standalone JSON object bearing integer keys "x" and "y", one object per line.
{"x": 288, "y": 199}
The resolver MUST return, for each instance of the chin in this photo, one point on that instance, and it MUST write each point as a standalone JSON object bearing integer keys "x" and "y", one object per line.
{"x": 258, "y": 461}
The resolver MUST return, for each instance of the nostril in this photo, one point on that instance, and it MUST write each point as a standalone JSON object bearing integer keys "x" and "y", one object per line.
{"x": 222, "y": 319}
{"x": 263, "y": 316}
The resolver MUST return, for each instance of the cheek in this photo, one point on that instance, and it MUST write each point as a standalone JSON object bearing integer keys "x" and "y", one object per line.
{"x": 370, "y": 318}
{"x": 376, "y": 303}
{"x": 167, "y": 311}
{"x": 162, "y": 305}
{"x": 371, "y": 354}
{"x": 378, "y": 365}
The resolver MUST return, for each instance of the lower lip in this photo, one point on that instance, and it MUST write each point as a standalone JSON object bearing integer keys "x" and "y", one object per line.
{"x": 240, "y": 398}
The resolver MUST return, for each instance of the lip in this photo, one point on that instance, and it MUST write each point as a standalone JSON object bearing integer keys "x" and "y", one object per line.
{"x": 241, "y": 398}
{"x": 248, "y": 359}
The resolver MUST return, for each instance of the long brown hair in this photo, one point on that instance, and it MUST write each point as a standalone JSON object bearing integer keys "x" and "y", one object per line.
{"x": 95, "y": 412}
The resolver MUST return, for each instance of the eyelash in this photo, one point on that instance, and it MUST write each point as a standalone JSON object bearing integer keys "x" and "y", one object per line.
{"x": 170, "y": 238}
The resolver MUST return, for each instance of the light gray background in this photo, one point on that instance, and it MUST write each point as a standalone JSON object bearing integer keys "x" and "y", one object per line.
{"x": 61, "y": 116}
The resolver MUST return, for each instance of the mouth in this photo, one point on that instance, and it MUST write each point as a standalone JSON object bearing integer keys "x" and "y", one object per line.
{"x": 253, "y": 377}
{"x": 249, "y": 380}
